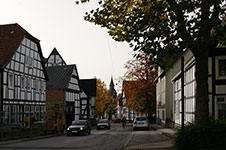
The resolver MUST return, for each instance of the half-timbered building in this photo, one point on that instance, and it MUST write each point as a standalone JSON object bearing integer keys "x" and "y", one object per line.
{"x": 87, "y": 95}
{"x": 54, "y": 59}
{"x": 63, "y": 87}
{"x": 169, "y": 89}
{"x": 62, "y": 91}
{"x": 22, "y": 76}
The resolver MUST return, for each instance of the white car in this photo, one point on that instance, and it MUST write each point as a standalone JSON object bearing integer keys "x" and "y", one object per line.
{"x": 141, "y": 123}
{"x": 103, "y": 124}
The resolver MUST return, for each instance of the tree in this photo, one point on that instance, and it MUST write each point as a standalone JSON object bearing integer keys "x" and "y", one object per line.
{"x": 103, "y": 97}
{"x": 139, "y": 86}
{"x": 165, "y": 28}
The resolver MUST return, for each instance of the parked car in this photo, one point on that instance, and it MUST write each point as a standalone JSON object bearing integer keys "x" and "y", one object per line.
{"x": 141, "y": 123}
{"x": 103, "y": 124}
{"x": 81, "y": 127}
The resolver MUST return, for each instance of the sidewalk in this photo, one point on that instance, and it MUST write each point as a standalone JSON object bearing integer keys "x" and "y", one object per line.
{"x": 168, "y": 132}
{"x": 28, "y": 139}
{"x": 165, "y": 145}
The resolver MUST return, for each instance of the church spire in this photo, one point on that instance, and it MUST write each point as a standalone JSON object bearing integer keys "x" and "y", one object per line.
{"x": 112, "y": 88}
{"x": 112, "y": 83}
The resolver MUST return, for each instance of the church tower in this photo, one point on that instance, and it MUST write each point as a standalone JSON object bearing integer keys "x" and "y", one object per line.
{"x": 112, "y": 89}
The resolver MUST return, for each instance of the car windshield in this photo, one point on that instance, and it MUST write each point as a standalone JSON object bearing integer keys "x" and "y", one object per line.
{"x": 141, "y": 119}
{"x": 78, "y": 123}
{"x": 103, "y": 121}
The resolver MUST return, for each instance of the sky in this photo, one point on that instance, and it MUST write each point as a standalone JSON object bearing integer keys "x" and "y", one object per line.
{"x": 61, "y": 24}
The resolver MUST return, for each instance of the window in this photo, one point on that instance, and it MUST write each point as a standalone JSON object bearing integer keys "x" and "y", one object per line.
{"x": 27, "y": 108}
{"x": 221, "y": 111}
{"x": 222, "y": 67}
{"x": 37, "y": 85}
{"x": 32, "y": 108}
{"x": 42, "y": 108}
{"x": 37, "y": 108}
{"x": 28, "y": 83}
{"x": 10, "y": 81}
{"x": 23, "y": 82}
{"x": 28, "y": 61}
{"x": 41, "y": 86}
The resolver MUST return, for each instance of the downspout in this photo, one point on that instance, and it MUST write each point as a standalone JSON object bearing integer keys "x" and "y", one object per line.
{"x": 1, "y": 97}
{"x": 213, "y": 85}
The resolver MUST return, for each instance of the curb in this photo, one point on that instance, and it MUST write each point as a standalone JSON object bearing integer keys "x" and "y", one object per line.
{"x": 168, "y": 135}
{"x": 28, "y": 139}
{"x": 158, "y": 145}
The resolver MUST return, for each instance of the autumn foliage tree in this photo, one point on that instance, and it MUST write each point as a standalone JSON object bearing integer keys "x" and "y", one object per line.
{"x": 139, "y": 85}
{"x": 103, "y": 97}
{"x": 165, "y": 28}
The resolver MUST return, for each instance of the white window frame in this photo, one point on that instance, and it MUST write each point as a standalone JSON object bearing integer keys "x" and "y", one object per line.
{"x": 217, "y": 67}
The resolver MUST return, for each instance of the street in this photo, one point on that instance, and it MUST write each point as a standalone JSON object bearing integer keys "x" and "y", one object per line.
{"x": 115, "y": 139}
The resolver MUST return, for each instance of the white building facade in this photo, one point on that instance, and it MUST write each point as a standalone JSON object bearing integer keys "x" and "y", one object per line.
{"x": 169, "y": 89}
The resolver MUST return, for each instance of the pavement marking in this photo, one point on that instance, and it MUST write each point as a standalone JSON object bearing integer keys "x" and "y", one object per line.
{"x": 127, "y": 141}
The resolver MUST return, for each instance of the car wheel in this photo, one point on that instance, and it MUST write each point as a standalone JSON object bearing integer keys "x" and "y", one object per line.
{"x": 68, "y": 134}
{"x": 89, "y": 132}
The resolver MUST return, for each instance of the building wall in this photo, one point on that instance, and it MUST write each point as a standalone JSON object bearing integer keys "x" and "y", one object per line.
{"x": 172, "y": 94}
{"x": 189, "y": 88}
{"x": 168, "y": 90}
{"x": 55, "y": 60}
{"x": 161, "y": 100}
{"x": 220, "y": 89}
{"x": 55, "y": 102}
{"x": 24, "y": 85}
{"x": 169, "y": 97}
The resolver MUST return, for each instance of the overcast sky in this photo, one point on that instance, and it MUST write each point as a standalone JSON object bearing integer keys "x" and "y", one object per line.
{"x": 60, "y": 24}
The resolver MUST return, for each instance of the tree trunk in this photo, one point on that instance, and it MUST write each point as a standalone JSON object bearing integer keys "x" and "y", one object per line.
{"x": 201, "y": 76}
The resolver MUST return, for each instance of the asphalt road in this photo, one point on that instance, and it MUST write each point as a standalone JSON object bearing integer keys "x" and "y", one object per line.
{"x": 115, "y": 139}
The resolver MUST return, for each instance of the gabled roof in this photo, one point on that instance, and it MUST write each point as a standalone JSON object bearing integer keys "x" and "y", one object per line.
{"x": 11, "y": 36}
{"x": 89, "y": 86}
{"x": 59, "y": 76}
{"x": 55, "y": 52}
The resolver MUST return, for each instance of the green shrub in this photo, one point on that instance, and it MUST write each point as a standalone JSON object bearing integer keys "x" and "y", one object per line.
{"x": 206, "y": 135}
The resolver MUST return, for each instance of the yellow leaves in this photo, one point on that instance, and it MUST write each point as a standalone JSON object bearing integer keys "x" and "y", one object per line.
{"x": 103, "y": 97}
{"x": 163, "y": 16}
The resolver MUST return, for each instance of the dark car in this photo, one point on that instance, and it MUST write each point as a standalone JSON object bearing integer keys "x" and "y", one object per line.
{"x": 81, "y": 127}
{"x": 103, "y": 124}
